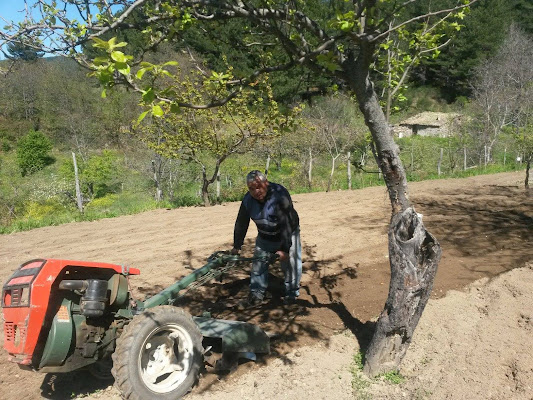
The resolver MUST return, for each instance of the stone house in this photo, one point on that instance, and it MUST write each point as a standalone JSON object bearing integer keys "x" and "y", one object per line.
{"x": 427, "y": 123}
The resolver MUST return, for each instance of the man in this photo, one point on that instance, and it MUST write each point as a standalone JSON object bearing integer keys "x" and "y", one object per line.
{"x": 269, "y": 205}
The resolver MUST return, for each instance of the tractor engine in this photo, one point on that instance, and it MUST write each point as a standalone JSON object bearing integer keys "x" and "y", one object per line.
{"x": 61, "y": 315}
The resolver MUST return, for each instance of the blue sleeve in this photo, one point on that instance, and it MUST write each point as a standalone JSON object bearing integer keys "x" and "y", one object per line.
{"x": 241, "y": 226}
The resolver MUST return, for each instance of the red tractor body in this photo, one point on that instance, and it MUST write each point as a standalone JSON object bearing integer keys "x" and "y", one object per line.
{"x": 26, "y": 301}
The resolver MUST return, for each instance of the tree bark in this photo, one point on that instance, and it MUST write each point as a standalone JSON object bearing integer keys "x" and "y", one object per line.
{"x": 267, "y": 167}
{"x": 528, "y": 166}
{"x": 333, "y": 159}
{"x": 413, "y": 252}
{"x": 156, "y": 169}
{"x": 218, "y": 186}
{"x": 414, "y": 256}
{"x": 79, "y": 199}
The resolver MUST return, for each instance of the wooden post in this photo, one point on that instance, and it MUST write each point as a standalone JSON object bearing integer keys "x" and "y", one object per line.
{"x": 309, "y": 173}
{"x": 349, "y": 170}
{"x": 77, "y": 179}
{"x": 504, "y": 156}
{"x": 440, "y": 160}
{"x": 412, "y": 158}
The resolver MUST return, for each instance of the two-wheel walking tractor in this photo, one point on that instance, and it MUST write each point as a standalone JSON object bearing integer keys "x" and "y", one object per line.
{"x": 62, "y": 315}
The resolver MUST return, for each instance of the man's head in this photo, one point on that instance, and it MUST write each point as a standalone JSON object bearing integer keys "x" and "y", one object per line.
{"x": 257, "y": 185}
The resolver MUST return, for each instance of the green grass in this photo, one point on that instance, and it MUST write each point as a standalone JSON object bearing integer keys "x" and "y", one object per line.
{"x": 393, "y": 377}
{"x": 359, "y": 381}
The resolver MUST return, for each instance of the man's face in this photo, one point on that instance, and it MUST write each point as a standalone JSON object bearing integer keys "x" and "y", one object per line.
{"x": 258, "y": 189}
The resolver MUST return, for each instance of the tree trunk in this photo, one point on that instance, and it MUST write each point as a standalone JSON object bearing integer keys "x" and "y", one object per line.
{"x": 205, "y": 188}
{"x": 218, "y": 186}
{"x": 331, "y": 173}
{"x": 464, "y": 158}
{"x": 414, "y": 256}
{"x": 349, "y": 169}
{"x": 413, "y": 252}
{"x": 267, "y": 167}
{"x": 79, "y": 200}
{"x": 156, "y": 169}
{"x": 528, "y": 166}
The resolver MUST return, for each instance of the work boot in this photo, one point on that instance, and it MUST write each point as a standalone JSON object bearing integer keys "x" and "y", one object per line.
{"x": 250, "y": 302}
{"x": 254, "y": 300}
{"x": 288, "y": 300}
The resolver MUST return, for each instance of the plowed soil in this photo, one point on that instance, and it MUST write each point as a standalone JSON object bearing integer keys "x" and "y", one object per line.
{"x": 484, "y": 225}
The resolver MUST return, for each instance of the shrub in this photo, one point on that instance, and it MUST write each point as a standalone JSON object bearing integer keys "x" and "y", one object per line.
{"x": 33, "y": 152}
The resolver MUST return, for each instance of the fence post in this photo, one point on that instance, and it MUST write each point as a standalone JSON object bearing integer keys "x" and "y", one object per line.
{"x": 349, "y": 170}
{"x": 440, "y": 160}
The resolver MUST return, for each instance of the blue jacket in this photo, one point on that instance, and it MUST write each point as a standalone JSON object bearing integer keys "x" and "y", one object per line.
{"x": 275, "y": 217}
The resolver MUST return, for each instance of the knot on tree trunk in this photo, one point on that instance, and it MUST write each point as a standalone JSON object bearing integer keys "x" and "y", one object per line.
{"x": 414, "y": 256}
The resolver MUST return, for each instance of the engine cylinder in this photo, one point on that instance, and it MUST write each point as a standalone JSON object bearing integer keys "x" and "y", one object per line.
{"x": 93, "y": 301}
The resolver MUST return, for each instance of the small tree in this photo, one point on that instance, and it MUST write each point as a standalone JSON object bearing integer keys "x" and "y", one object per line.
{"x": 212, "y": 134}
{"x": 503, "y": 91}
{"x": 33, "y": 152}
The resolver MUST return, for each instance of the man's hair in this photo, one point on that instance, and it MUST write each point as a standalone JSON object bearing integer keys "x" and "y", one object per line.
{"x": 255, "y": 174}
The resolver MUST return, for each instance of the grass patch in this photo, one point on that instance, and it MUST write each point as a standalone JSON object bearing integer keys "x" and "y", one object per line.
{"x": 359, "y": 381}
{"x": 393, "y": 377}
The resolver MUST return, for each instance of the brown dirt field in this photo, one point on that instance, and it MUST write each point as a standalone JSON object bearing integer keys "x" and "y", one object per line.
{"x": 484, "y": 225}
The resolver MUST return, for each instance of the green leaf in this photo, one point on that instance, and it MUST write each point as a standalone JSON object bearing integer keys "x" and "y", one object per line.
{"x": 104, "y": 94}
{"x": 118, "y": 56}
{"x": 148, "y": 95}
{"x": 140, "y": 73}
{"x": 141, "y": 117}
{"x": 100, "y": 60}
{"x": 123, "y": 68}
{"x": 174, "y": 108}
{"x": 157, "y": 111}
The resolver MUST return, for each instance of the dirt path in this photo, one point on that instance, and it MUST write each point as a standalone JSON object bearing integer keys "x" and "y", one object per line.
{"x": 484, "y": 224}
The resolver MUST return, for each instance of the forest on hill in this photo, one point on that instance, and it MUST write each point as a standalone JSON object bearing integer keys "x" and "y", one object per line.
{"x": 59, "y": 129}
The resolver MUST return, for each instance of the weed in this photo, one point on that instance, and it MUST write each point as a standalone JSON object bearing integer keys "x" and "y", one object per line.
{"x": 393, "y": 377}
{"x": 359, "y": 382}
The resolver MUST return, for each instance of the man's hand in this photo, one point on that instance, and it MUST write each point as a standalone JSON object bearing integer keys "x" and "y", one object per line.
{"x": 235, "y": 251}
{"x": 282, "y": 255}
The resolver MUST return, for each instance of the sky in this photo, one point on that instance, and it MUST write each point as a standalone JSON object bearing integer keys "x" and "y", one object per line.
{"x": 9, "y": 8}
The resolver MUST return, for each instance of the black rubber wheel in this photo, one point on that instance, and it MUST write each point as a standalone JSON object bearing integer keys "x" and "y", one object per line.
{"x": 158, "y": 356}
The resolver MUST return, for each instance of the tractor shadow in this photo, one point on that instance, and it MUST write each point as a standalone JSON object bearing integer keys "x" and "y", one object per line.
{"x": 68, "y": 385}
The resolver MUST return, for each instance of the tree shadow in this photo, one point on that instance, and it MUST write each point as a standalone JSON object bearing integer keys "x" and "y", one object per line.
{"x": 484, "y": 223}
{"x": 285, "y": 324}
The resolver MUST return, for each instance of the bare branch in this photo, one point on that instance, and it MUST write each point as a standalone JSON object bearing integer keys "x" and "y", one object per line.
{"x": 418, "y": 18}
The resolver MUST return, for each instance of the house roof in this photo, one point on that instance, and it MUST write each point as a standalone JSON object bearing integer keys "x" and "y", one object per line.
{"x": 429, "y": 118}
